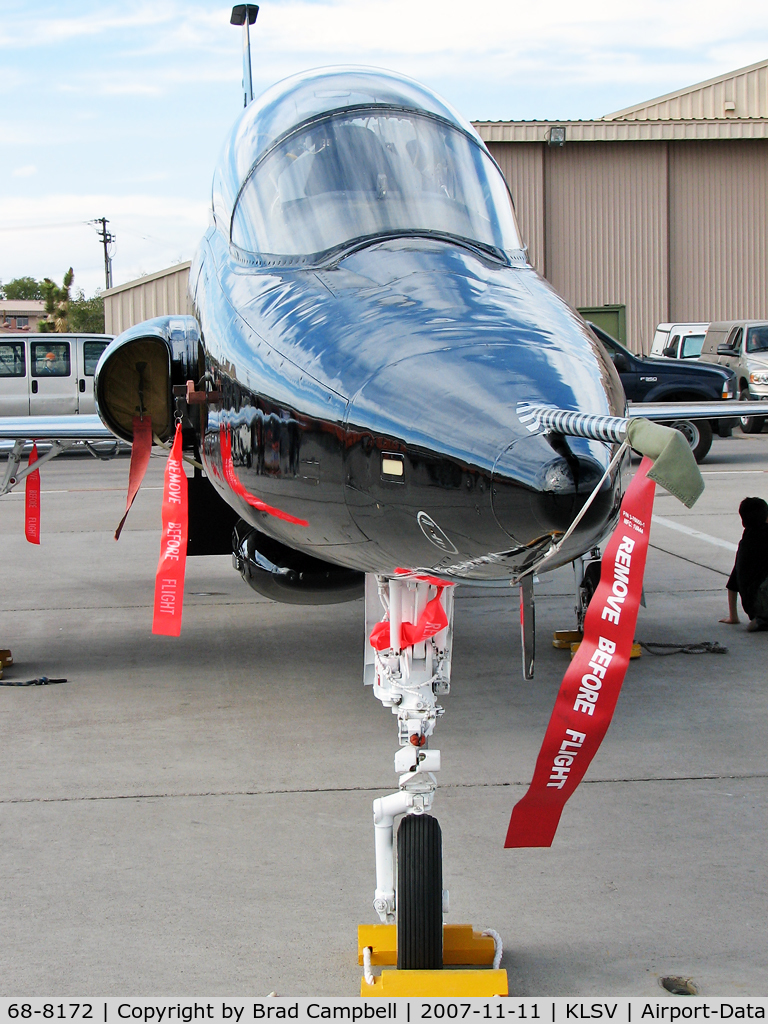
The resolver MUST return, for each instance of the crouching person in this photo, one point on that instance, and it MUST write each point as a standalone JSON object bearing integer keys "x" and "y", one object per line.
{"x": 749, "y": 579}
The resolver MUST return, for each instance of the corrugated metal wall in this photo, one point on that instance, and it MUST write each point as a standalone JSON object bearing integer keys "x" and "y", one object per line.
{"x": 154, "y": 295}
{"x": 718, "y": 230}
{"x": 523, "y": 167}
{"x": 672, "y": 230}
{"x": 594, "y": 216}
{"x": 606, "y": 229}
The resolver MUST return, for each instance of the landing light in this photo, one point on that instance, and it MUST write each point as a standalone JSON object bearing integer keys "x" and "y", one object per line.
{"x": 392, "y": 465}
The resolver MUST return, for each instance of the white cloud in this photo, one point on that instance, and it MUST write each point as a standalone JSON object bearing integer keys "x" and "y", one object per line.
{"x": 39, "y": 31}
{"x": 45, "y": 235}
{"x": 503, "y": 44}
{"x": 24, "y": 172}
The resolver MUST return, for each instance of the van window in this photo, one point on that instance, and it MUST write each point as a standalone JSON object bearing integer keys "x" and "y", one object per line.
{"x": 12, "y": 359}
{"x": 50, "y": 359}
{"x": 692, "y": 346}
{"x": 757, "y": 339}
{"x": 91, "y": 353}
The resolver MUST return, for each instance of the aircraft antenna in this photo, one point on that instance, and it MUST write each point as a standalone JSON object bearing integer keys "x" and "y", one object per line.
{"x": 245, "y": 15}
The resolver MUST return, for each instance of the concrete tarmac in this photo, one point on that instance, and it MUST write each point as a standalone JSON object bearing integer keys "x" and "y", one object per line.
{"x": 193, "y": 816}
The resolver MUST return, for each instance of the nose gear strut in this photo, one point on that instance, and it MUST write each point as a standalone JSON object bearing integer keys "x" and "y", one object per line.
{"x": 408, "y": 680}
{"x": 408, "y": 664}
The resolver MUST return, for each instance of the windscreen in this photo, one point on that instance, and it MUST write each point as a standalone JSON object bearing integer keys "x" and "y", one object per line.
{"x": 692, "y": 346}
{"x": 757, "y": 339}
{"x": 359, "y": 175}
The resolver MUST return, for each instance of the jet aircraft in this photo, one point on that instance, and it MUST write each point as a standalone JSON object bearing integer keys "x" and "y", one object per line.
{"x": 381, "y": 398}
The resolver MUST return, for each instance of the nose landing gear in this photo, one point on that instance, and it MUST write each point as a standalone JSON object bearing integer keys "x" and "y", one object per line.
{"x": 409, "y": 668}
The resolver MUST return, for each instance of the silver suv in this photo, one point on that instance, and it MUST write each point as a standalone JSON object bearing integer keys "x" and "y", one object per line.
{"x": 742, "y": 345}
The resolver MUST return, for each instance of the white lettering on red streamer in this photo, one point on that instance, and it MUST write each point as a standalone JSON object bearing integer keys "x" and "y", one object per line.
{"x": 169, "y": 582}
{"x": 32, "y": 501}
{"x": 591, "y": 686}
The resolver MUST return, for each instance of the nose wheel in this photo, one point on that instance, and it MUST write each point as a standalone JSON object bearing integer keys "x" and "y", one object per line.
{"x": 419, "y": 894}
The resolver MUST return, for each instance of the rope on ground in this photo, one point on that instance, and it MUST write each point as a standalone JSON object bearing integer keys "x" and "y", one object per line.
{"x": 497, "y": 946}
{"x": 367, "y": 972}
{"x": 702, "y": 647}
{"x": 40, "y": 681}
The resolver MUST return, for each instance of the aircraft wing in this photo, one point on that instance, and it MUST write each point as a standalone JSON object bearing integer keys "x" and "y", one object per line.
{"x": 728, "y": 409}
{"x": 59, "y": 433}
{"x": 54, "y": 428}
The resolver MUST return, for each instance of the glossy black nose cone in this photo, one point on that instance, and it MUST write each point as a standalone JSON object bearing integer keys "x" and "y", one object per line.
{"x": 539, "y": 487}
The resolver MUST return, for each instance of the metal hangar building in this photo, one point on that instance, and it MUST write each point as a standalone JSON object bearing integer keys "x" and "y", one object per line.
{"x": 655, "y": 213}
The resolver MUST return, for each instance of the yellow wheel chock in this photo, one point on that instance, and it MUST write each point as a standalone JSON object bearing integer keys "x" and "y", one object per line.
{"x": 569, "y": 640}
{"x": 6, "y": 659}
{"x": 461, "y": 946}
{"x": 562, "y": 639}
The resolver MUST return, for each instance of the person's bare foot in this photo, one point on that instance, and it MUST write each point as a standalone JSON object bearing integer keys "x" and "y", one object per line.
{"x": 752, "y": 626}
{"x": 731, "y": 622}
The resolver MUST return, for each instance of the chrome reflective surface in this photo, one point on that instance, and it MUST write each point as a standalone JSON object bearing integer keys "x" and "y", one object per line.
{"x": 368, "y": 406}
{"x": 302, "y": 98}
{"x": 352, "y": 176}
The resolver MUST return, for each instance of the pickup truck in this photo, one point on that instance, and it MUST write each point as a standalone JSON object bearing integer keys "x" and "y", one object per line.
{"x": 673, "y": 380}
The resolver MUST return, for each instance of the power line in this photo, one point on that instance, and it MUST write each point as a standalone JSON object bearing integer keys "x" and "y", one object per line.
{"x": 47, "y": 227}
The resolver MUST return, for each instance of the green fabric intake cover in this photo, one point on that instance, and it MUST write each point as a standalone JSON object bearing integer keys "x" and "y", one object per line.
{"x": 674, "y": 466}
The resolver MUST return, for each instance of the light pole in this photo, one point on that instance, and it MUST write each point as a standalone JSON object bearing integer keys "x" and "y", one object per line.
{"x": 245, "y": 15}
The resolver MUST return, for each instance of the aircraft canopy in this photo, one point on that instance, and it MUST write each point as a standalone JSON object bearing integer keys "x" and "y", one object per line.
{"x": 357, "y": 175}
{"x": 305, "y": 160}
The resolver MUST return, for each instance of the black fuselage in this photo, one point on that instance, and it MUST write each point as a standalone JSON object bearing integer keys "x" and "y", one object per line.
{"x": 375, "y": 396}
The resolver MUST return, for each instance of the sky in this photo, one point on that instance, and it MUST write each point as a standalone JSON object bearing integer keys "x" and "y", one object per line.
{"x": 120, "y": 110}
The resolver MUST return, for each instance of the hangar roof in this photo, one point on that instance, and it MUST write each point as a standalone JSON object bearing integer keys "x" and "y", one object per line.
{"x": 732, "y": 106}
{"x": 621, "y": 131}
{"x": 738, "y": 94}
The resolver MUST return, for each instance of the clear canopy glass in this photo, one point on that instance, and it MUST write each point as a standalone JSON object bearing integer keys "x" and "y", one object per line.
{"x": 362, "y": 174}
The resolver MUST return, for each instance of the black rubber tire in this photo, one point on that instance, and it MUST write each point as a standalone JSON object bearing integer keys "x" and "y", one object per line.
{"x": 725, "y": 428}
{"x": 698, "y": 434}
{"x": 419, "y": 894}
{"x": 750, "y": 424}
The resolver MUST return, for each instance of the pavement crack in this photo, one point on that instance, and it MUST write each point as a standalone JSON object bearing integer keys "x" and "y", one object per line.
{"x": 691, "y": 561}
{"x": 308, "y": 791}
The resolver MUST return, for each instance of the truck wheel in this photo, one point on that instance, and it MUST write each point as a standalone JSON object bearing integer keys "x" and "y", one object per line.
{"x": 749, "y": 424}
{"x": 698, "y": 434}
{"x": 724, "y": 428}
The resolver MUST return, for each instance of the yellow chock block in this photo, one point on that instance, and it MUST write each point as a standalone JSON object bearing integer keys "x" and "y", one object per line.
{"x": 390, "y": 984}
{"x": 563, "y": 639}
{"x": 635, "y": 652}
{"x": 6, "y": 659}
{"x": 462, "y": 945}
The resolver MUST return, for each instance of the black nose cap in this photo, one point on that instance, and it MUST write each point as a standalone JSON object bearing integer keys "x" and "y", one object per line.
{"x": 538, "y": 489}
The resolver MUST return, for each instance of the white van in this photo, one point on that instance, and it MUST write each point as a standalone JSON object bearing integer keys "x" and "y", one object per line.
{"x": 679, "y": 341}
{"x": 49, "y": 374}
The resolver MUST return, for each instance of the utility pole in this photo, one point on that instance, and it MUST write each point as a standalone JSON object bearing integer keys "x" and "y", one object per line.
{"x": 107, "y": 238}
